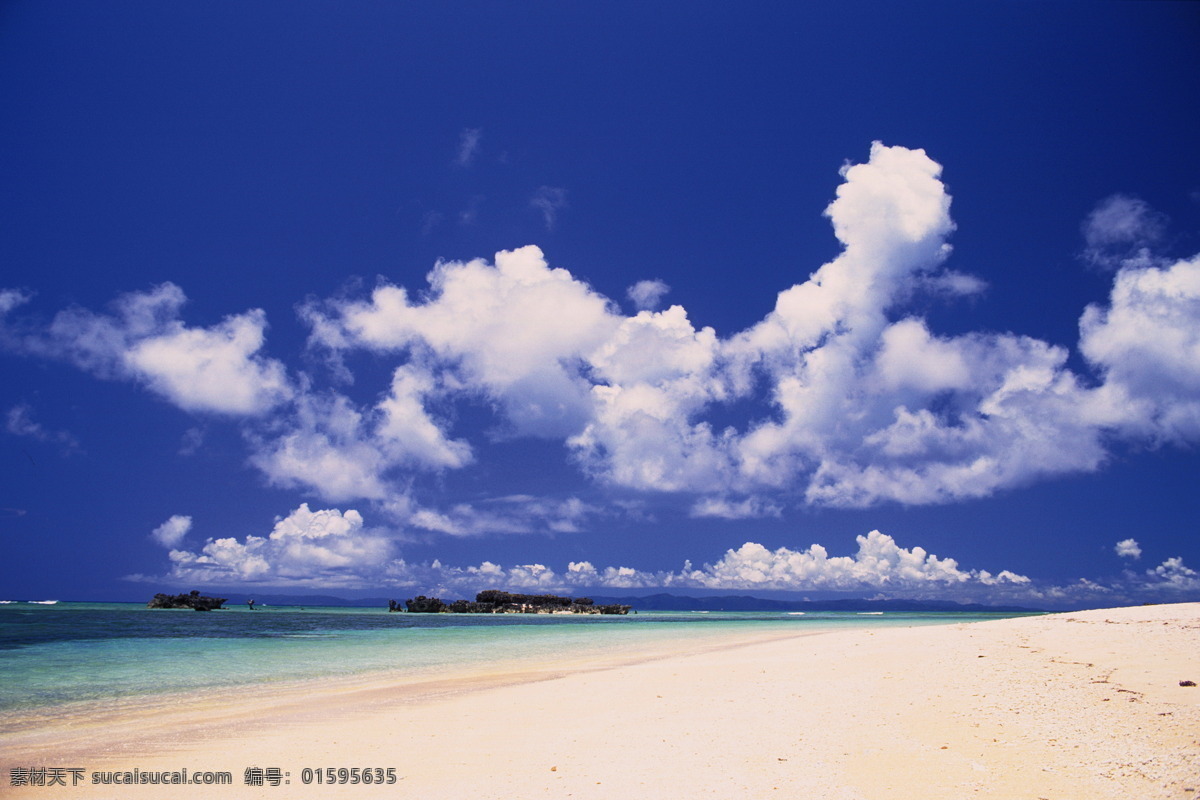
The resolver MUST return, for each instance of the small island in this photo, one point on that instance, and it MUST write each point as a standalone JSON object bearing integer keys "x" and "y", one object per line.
{"x": 194, "y": 600}
{"x": 494, "y": 601}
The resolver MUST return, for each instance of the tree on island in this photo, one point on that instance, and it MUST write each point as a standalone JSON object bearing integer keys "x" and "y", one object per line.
{"x": 495, "y": 601}
{"x": 193, "y": 600}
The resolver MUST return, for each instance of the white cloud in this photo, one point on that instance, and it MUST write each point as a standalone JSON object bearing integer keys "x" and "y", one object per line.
{"x": 334, "y": 548}
{"x": 879, "y": 563}
{"x": 311, "y": 545}
{"x": 655, "y": 375}
{"x": 12, "y": 298}
{"x": 469, "y": 142}
{"x": 642, "y": 438}
{"x": 952, "y": 284}
{"x": 515, "y": 332}
{"x": 725, "y": 508}
{"x": 863, "y": 404}
{"x": 910, "y": 358}
{"x": 839, "y": 395}
{"x": 212, "y": 369}
{"x": 1128, "y": 548}
{"x": 215, "y": 369}
{"x": 19, "y": 422}
{"x": 503, "y": 515}
{"x": 170, "y": 534}
{"x": 654, "y": 348}
{"x": 1174, "y": 575}
{"x": 1147, "y": 345}
{"x": 408, "y": 433}
{"x": 1121, "y": 230}
{"x": 319, "y": 548}
{"x": 549, "y": 200}
{"x": 872, "y": 410}
{"x": 1021, "y": 418}
{"x": 327, "y": 447}
{"x": 341, "y": 453}
{"x": 892, "y": 216}
{"x": 646, "y": 295}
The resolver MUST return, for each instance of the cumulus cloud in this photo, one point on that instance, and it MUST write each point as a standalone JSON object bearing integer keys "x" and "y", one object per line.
{"x": 321, "y": 548}
{"x": 842, "y": 395}
{"x": 325, "y": 448}
{"x": 1146, "y": 343}
{"x": 1174, "y": 575}
{"x": 869, "y": 409}
{"x": 1128, "y": 548}
{"x": 514, "y": 332}
{"x": 330, "y": 547}
{"x": 309, "y": 545}
{"x": 330, "y": 447}
{"x": 170, "y": 534}
{"x": 215, "y": 369}
{"x": 646, "y": 295}
{"x": 878, "y": 565}
{"x": 858, "y": 402}
{"x": 655, "y": 376}
{"x": 408, "y": 433}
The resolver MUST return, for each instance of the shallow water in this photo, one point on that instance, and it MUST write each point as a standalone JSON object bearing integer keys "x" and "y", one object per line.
{"x": 67, "y": 653}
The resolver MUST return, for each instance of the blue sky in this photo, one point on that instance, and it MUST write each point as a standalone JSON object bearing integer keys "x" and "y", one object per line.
{"x": 874, "y": 299}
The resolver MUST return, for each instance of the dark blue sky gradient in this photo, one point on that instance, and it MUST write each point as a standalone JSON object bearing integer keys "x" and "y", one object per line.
{"x": 263, "y": 154}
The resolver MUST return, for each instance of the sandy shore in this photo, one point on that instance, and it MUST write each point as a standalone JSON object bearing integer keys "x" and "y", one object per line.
{"x": 1077, "y": 705}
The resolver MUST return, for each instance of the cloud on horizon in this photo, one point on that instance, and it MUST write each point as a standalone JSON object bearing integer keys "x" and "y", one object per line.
{"x": 331, "y": 548}
{"x": 324, "y": 547}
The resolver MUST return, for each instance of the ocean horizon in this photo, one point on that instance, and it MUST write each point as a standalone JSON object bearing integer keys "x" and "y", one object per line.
{"x": 60, "y": 657}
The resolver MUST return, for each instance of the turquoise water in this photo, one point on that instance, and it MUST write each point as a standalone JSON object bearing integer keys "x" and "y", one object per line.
{"x": 67, "y": 653}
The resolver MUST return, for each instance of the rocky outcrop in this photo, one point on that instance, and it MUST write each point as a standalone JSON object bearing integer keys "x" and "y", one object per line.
{"x": 194, "y": 600}
{"x": 494, "y": 601}
{"x": 425, "y": 605}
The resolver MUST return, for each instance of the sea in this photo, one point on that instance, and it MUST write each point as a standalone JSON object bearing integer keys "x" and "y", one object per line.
{"x": 56, "y": 656}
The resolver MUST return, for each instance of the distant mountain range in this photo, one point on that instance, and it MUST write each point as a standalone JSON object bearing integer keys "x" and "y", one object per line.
{"x": 667, "y": 602}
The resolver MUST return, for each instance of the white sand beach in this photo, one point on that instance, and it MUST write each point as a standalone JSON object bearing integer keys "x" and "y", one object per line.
{"x": 1062, "y": 707}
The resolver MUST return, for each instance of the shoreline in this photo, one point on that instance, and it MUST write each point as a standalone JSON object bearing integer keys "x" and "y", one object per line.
{"x": 71, "y": 729}
{"x": 1065, "y": 705}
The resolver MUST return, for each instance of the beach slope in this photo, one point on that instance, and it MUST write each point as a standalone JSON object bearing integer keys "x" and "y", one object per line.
{"x": 1077, "y": 705}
